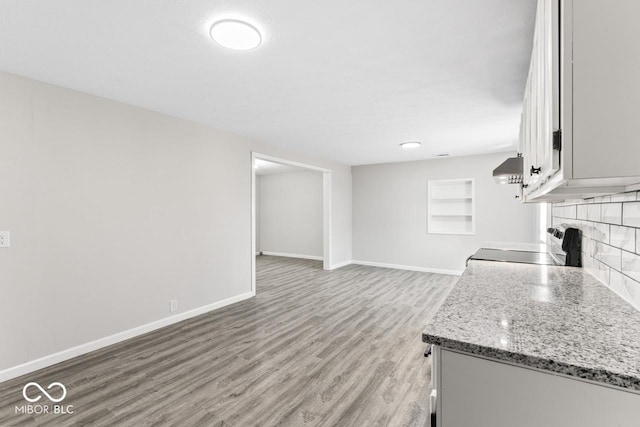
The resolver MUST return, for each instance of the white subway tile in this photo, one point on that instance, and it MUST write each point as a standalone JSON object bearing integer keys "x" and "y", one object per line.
{"x": 598, "y": 270}
{"x": 623, "y": 237}
{"x": 624, "y": 197}
{"x": 626, "y": 287}
{"x": 631, "y": 265}
{"x": 609, "y": 255}
{"x": 588, "y": 247}
{"x": 612, "y": 213}
{"x": 587, "y": 259}
{"x": 582, "y": 212}
{"x": 594, "y": 212}
{"x": 631, "y": 214}
{"x": 610, "y": 228}
{"x": 599, "y": 232}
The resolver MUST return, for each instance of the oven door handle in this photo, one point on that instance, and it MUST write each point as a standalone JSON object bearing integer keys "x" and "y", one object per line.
{"x": 468, "y": 259}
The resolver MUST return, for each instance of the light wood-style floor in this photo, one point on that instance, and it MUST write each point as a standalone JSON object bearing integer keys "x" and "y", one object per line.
{"x": 313, "y": 348}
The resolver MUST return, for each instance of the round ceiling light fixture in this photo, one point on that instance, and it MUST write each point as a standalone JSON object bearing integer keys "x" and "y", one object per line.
{"x": 410, "y": 145}
{"x": 235, "y": 34}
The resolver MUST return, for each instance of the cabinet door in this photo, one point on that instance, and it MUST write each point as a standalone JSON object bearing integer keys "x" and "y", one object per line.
{"x": 529, "y": 131}
{"x": 549, "y": 86}
{"x": 525, "y": 136}
{"x": 606, "y": 88}
{"x": 541, "y": 108}
{"x": 476, "y": 392}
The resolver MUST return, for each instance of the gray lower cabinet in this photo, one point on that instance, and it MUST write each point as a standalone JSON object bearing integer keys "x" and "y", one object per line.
{"x": 475, "y": 392}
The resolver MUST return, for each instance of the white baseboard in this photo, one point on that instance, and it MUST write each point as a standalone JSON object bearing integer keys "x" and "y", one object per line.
{"x": 408, "y": 267}
{"x": 81, "y": 349}
{"x": 313, "y": 257}
{"x": 340, "y": 264}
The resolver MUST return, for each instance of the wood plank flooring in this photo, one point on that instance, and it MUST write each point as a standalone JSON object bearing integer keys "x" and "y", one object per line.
{"x": 313, "y": 348}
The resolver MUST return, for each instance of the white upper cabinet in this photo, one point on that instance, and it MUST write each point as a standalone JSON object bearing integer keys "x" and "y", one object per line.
{"x": 541, "y": 112}
{"x": 578, "y": 135}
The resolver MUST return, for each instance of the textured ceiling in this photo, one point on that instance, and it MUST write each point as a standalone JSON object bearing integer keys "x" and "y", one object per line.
{"x": 346, "y": 80}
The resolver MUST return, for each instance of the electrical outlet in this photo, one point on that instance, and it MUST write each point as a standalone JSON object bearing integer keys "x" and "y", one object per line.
{"x": 173, "y": 305}
{"x": 5, "y": 239}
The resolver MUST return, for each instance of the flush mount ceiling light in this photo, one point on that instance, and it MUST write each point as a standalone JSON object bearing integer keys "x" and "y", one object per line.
{"x": 410, "y": 145}
{"x": 234, "y": 34}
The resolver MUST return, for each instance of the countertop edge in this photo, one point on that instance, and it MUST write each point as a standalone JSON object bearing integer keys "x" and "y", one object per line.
{"x": 597, "y": 376}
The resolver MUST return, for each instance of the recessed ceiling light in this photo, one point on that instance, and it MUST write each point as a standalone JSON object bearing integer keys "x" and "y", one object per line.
{"x": 234, "y": 34}
{"x": 410, "y": 145}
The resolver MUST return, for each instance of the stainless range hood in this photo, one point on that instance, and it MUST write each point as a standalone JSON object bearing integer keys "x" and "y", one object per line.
{"x": 510, "y": 171}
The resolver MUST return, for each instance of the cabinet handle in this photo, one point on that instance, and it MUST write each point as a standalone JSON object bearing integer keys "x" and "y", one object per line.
{"x": 433, "y": 402}
{"x": 535, "y": 171}
{"x": 427, "y": 351}
{"x": 557, "y": 140}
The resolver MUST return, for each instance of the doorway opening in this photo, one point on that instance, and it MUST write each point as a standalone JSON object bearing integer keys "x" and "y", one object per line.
{"x": 265, "y": 165}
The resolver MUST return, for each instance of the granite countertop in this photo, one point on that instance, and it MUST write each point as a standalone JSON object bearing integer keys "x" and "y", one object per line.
{"x": 558, "y": 319}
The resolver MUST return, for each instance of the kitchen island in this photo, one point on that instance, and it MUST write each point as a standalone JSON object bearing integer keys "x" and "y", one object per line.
{"x": 521, "y": 344}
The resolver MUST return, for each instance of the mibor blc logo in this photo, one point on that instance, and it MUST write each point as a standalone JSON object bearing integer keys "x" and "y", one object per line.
{"x": 39, "y": 387}
{"x": 55, "y": 393}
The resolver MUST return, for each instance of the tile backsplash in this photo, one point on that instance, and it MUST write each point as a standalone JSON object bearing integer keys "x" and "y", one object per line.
{"x": 610, "y": 239}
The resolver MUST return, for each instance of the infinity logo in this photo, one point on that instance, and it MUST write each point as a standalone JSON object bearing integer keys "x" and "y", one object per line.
{"x": 39, "y": 387}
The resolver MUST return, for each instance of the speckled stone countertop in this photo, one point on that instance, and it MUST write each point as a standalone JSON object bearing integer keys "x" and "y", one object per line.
{"x": 558, "y": 319}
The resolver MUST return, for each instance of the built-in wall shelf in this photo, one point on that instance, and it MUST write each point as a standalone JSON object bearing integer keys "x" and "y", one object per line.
{"x": 451, "y": 206}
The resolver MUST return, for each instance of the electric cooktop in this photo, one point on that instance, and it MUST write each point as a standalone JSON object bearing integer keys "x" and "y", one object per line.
{"x": 523, "y": 257}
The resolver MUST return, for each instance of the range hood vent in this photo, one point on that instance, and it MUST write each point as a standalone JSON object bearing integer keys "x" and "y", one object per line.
{"x": 510, "y": 171}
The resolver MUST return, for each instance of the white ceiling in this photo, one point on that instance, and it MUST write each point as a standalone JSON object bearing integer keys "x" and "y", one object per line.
{"x": 346, "y": 80}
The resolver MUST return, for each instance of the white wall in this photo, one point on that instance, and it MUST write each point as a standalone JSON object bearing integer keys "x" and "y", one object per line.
{"x": 114, "y": 210}
{"x": 390, "y": 212}
{"x": 290, "y": 213}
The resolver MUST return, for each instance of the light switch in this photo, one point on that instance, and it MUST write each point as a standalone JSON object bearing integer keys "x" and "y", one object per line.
{"x": 5, "y": 239}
